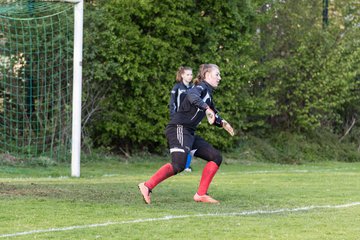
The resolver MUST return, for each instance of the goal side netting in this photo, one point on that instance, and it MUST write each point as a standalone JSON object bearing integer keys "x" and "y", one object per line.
{"x": 36, "y": 73}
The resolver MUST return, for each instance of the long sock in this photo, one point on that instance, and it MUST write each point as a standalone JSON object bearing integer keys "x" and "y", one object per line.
{"x": 163, "y": 173}
{"x": 207, "y": 175}
{"x": 188, "y": 161}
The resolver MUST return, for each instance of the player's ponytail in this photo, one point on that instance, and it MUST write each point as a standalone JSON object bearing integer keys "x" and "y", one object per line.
{"x": 200, "y": 75}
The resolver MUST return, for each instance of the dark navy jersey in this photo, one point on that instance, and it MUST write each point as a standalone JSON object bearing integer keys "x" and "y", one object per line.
{"x": 177, "y": 96}
{"x": 192, "y": 108}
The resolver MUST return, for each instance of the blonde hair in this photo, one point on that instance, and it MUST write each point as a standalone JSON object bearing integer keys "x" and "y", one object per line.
{"x": 180, "y": 72}
{"x": 203, "y": 69}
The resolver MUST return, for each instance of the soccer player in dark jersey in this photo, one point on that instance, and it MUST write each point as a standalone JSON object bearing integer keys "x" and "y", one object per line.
{"x": 184, "y": 77}
{"x": 180, "y": 133}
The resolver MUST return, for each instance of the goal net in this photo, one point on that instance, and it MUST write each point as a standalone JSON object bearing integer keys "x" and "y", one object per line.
{"x": 36, "y": 73}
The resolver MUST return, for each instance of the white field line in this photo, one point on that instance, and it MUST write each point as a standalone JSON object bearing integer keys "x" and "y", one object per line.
{"x": 168, "y": 218}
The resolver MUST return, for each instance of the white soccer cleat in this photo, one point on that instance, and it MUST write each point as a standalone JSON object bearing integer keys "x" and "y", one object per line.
{"x": 187, "y": 170}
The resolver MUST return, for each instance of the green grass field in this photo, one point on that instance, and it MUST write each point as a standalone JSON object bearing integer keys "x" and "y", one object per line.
{"x": 258, "y": 201}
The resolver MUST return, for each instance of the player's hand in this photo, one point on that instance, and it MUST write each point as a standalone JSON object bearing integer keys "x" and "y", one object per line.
{"x": 228, "y": 127}
{"x": 210, "y": 116}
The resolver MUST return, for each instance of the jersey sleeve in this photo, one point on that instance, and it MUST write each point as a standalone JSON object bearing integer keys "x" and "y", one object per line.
{"x": 194, "y": 96}
{"x": 172, "y": 102}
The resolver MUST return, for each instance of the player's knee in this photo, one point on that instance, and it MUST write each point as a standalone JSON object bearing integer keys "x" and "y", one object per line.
{"x": 217, "y": 157}
{"x": 178, "y": 161}
{"x": 178, "y": 167}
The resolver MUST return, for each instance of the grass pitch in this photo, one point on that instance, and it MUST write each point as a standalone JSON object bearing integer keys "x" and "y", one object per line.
{"x": 258, "y": 201}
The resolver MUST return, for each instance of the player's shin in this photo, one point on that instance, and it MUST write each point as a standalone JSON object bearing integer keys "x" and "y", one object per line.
{"x": 208, "y": 173}
{"x": 163, "y": 173}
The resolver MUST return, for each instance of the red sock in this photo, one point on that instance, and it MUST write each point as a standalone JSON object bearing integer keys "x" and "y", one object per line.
{"x": 207, "y": 175}
{"x": 163, "y": 173}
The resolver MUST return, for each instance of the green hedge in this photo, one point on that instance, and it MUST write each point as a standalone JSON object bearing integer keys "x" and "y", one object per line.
{"x": 133, "y": 49}
{"x": 280, "y": 68}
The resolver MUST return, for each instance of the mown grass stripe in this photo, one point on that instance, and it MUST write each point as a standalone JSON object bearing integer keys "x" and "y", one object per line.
{"x": 167, "y": 218}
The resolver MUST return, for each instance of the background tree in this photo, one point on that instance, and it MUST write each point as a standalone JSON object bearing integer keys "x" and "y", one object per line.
{"x": 133, "y": 49}
{"x": 282, "y": 71}
{"x": 311, "y": 69}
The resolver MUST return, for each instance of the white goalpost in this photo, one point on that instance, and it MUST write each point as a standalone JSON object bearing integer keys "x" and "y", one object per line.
{"x": 77, "y": 89}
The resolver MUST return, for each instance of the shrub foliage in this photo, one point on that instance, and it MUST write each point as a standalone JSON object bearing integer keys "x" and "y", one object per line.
{"x": 282, "y": 68}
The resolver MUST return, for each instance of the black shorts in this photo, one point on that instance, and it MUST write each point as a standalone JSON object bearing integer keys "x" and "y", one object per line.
{"x": 183, "y": 140}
